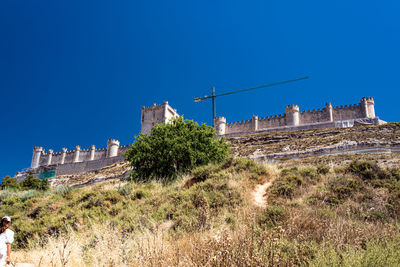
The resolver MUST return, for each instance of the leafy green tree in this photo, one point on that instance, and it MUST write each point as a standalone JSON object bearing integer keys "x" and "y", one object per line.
{"x": 9, "y": 182}
{"x": 175, "y": 148}
{"x": 35, "y": 183}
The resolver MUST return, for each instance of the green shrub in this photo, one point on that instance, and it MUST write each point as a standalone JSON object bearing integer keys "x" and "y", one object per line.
{"x": 283, "y": 189}
{"x": 309, "y": 173}
{"x": 205, "y": 172}
{"x": 174, "y": 148}
{"x": 6, "y": 193}
{"x": 249, "y": 165}
{"x": 322, "y": 169}
{"x": 62, "y": 190}
{"x": 29, "y": 194}
{"x": 343, "y": 187}
{"x": 140, "y": 193}
{"x": 339, "y": 169}
{"x": 125, "y": 190}
{"x": 272, "y": 216}
{"x": 395, "y": 172}
{"x": 287, "y": 183}
{"x": 231, "y": 165}
{"x": 9, "y": 182}
{"x": 287, "y": 171}
{"x": 367, "y": 170}
{"x": 35, "y": 183}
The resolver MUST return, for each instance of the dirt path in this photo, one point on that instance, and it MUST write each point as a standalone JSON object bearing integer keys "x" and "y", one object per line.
{"x": 259, "y": 194}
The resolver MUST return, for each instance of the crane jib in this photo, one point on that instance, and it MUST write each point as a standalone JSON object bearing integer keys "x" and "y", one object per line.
{"x": 213, "y": 95}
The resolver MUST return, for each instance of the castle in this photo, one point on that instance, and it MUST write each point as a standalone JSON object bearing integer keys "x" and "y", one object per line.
{"x": 294, "y": 119}
{"x": 92, "y": 159}
{"x": 84, "y": 160}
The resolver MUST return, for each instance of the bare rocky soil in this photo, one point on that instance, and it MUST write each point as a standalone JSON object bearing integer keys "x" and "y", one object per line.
{"x": 117, "y": 171}
{"x": 252, "y": 145}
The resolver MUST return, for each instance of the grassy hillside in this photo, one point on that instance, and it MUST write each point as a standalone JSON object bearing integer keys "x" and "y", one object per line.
{"x": 316, "y": 215}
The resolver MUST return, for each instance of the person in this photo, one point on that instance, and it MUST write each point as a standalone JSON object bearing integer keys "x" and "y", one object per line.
{"x": 6, "y": 239}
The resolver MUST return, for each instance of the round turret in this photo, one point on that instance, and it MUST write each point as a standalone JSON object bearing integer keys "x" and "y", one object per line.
{"x": 220, "y": 125}
{"x": 112, "y": 147}
{"x": 92, "y": 151}
{"x": 63, "y": 155}
{"x": 292, "y": 115}
{"x": 49, "y": 156}
{"x": 290, "y": 108}
{"x": 77, "y": 152}
{"x": 37, "y": 152}
{"x": 368, "y": 107}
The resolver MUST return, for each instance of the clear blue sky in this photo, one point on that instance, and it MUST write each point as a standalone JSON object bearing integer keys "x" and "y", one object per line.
{"x": 78, "y": 72}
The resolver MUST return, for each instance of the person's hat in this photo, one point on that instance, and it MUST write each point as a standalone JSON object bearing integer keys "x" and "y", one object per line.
{"x": 7, "y": 218}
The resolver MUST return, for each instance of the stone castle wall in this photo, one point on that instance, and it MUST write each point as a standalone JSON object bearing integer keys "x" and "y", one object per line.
{"x": 88, "y": 159}
{"x": 83, "y": 160}
{"x": 87, "y": 166}
{"x": 293, "y": 118}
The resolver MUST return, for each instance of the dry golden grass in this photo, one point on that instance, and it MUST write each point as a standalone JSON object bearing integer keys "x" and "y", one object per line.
{"x": 304, "y": 235}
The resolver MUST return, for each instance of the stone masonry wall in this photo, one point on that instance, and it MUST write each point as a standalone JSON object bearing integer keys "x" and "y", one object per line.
{"x": 86, "y": 166}
{"x": 365, "y": 109}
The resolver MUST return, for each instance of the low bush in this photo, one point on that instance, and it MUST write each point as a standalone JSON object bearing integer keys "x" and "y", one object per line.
{"x": 367, "y": 170}
{"x": 290, "y": 180}
{"x": 9, "y": 182}
{"x": 125, "y": 190}
{"x": 343, "y": 187}
{"x": 310, "y": 173}
{"x": 35, "y": 183}
{"x": 6, "y": 193}
{"x": 256, "y": 171}
{"x": 29, "y": 194}
{"x": 322, "y": 169}
{"x": 272, "y": 216}
{"x": 62, "y": 190}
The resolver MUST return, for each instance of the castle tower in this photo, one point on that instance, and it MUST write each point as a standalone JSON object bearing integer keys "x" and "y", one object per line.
{"x": 92, "y": 150}
{"x": 37, "y": 152}
{"x": 368, "y": 107}
{"x": 77, "y": 152}
{"x": 112, "y": 148}
{"x": 254, "y": 122}
{"x": 329, "y": 110}
{"x": 292, "y": 115}
{"x": 156, "y": 114}
{"x": 49, "y": 156}
{"x": 63, "y": 155}
{"x": 220, "y": 125}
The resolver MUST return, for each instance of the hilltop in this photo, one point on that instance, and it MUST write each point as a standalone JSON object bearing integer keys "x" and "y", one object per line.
{"x": 328, "y": 146}
{"x": 316, "y": 210}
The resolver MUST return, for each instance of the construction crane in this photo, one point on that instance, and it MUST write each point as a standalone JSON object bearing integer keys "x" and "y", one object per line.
{"x": 213, "y": 95}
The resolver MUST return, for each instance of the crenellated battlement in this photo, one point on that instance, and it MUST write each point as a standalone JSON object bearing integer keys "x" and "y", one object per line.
{"x": 155, "y": 107}
{"x": 293, "y": 117}
{"x": 156, "y": 114}
{"x": 348, "y": 107}
{"x": 41, "y": 158}
{"x": 292, "y": 107}
{"x": 112, "y": 142}
{"x": 367, "y": 99}
{"x": 220, "y": 119}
